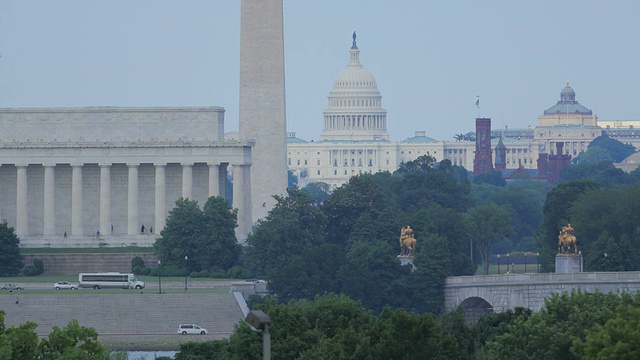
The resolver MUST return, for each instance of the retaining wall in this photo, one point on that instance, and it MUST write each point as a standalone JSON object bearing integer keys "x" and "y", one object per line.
{"x": 72, "y": 264}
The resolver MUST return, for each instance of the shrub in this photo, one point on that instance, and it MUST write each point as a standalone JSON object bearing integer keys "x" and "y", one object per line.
{"x": 218, "y": 274}
{"x": 138, "y": 270}
{"x": 39, "y": 265}
{"x": 238, "y": 272}
{"x": 30, "y": 271}
{"x": 136, "y": 262}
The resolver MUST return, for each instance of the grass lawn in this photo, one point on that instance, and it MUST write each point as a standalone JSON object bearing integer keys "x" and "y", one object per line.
{"x": 513, "y": 269}
{"x": 107, "y": 291}
{"x": 104, "y": 250}
{"x": 74, "y": 279}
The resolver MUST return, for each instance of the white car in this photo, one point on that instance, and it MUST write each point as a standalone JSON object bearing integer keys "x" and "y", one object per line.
{"x": 185, "y": 329}
{"x": 64, "y": 285}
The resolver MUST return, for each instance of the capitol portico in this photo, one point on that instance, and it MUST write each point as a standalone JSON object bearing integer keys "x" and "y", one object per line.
{"x": 103, "y": 172}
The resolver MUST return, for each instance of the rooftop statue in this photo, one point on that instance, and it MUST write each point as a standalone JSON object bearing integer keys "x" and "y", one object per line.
{"x": 407, "y": 242}
{"x": 567, "y": 241}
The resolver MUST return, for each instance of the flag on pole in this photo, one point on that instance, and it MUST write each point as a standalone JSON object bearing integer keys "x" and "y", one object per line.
{"x": 478, "y": 102}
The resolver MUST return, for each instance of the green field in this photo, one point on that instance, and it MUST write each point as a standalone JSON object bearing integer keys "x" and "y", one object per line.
{"x": 513, "y": 269}
{"x": 105, "y": 250}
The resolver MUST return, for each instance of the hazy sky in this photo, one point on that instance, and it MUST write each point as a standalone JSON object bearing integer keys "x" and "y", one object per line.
{"x": 430, "y": 58}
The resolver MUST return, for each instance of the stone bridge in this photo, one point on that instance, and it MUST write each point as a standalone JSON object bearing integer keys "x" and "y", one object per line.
{"x": 485, "y": 294}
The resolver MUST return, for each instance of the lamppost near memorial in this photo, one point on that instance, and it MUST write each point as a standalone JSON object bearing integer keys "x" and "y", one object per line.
{"x": 537, "y": 262}
{"x": 186, "y": 273}
{"x": 498, "y": 264}
{"x": 159, "y": 278}
{"x": 525, "y": 262}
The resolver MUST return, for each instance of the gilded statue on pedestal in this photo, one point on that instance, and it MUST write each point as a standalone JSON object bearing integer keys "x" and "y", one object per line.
{"x": 407, "y": 242}
{"x": 567, "y": 241}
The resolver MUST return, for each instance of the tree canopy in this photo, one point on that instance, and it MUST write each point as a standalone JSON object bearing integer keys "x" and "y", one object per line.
{"x": 11, "y": 262}
{"x": 207, "y": 237}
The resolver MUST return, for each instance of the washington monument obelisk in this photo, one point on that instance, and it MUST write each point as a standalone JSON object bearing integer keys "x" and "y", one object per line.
{"x": 262, "y": 100}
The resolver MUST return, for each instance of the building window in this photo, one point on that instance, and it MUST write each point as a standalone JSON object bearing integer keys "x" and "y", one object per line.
{"x": 305, "y": 162}
{"x": 289, "y": 161}
{"x": 298, "y": 162}
{"x": 345, "y": 172}
{"x": 335, "y": 172}
{"x": 318, "y": 172}
{"x": 318, "y": 161}
{"x": 387, "y": 161}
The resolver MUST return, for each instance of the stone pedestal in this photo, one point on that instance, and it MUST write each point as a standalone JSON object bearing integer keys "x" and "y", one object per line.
{"x": 407, "y": 260}
{"x": 568, "y": 263}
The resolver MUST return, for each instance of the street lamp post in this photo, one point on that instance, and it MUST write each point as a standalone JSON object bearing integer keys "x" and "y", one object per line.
{"x": 186, "y": 273}
{"x": 605, "y": 262}
{"x": 508, "y": 263}
{"x": 159, "y": 278}
{"x": 260, "y": 322}
{"x": 538, "y": 262}
{"x": 498, "y": 264}
{"x": 525, "y": 262}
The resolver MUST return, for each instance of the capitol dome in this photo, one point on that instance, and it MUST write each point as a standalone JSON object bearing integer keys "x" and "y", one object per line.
{"x": 355, "y": 108}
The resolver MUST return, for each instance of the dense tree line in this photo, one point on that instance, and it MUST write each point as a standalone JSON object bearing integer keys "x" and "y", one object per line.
{"x": 570, "y": 326}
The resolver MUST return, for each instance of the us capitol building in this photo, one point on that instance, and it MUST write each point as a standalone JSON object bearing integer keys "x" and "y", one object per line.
{"x": 355, "y": 140}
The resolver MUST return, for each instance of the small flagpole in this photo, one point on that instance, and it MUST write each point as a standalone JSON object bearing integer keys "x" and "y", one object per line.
{"x": 478, "y": 104}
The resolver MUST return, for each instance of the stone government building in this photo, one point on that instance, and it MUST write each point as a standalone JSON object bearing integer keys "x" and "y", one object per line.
{"x": 77, "y": 171}
{"x": 355, "y": 140}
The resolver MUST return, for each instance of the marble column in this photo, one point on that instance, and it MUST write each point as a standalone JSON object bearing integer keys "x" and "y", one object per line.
{"x": 242, "y": 199}
{"x": 76, "y": 200}
{"x": 49, "y": 200}
{"x": 214, "y": 180}
{"x": 105, "y": 199}
{"x": 223, "y": 180}
{"x": 160, "y": 206}
{"x": 22, "y": 214}
{"x": 132, "y": 208}
{"x": 187, "y": 180}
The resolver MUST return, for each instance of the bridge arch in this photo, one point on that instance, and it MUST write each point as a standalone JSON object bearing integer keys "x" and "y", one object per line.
{"x": 473, "y": 308}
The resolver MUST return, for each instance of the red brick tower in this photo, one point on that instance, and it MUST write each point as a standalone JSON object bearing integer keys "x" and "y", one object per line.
{"x": 482, "y": 161}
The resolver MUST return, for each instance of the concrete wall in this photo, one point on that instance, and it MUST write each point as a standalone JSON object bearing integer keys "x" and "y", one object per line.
{"x": 503, "y": 292}
{"x": 73, "y": 264}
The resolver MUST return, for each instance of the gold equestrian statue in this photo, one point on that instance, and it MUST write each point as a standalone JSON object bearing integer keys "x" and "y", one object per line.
{"x": 567, "y": 241}
{"x": 407, "y": 242}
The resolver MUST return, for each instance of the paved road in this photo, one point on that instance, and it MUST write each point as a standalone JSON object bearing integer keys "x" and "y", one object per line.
{"x": 130, "y": 316}
{"x": 150, "y": 285}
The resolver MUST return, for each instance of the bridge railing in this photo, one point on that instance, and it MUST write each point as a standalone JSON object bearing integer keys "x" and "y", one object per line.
{"x": 632, "y": 276}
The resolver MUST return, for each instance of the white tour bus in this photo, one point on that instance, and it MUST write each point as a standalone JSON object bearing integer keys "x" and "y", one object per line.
{"x": 109, "y": 280}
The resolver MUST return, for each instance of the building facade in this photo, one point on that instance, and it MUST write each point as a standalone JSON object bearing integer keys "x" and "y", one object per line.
{"x": 355, "y": 140}
{"x": 113, "y": 173}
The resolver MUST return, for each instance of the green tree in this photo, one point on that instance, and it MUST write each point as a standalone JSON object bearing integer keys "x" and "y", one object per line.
{"x": 551, "y": 332}
{"x": 486, "y": 225}
{"x": 603, "y": 173}
{"x": 293, "y": 225}
{"x": 319, "y": 191}
{"x": 618, "y": 338}
{"x": 614, "y": 213}
{"x": 373, "y": 275}
{"x": 493, "y": 178}
{"x": 217, "y": 246}
{"x": 206, "y": 237}
{"x": 556, "y": 215}
{"x": 421, "y": 164}
{"x": 349, "y": 202}
{"x": 11, "y": 262}
{"x": 433, "y": 265}
{"x": 616, "y": 149}
{"x": 73, "y": 342}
